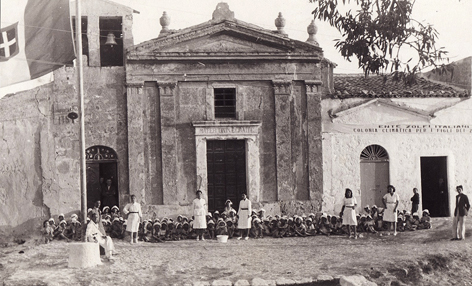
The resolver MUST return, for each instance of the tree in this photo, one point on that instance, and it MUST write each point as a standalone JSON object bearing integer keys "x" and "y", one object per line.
{"x": 378, "y": 31}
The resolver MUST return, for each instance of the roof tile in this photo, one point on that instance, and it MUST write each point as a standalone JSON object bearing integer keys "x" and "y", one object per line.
{"x": 378, "y": 86}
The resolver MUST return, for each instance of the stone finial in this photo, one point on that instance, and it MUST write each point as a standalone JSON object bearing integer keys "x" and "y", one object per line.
{"x": 312, "y": 29}
{"x": 222, "y": 12}
{"x": 165, "y": 22}
{"x": 280, "y": 24}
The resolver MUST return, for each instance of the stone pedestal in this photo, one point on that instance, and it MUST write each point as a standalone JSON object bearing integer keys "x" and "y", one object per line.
{"x": 84, "y": 254}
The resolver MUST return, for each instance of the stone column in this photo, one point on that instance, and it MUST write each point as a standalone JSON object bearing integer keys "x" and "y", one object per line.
{"x": 137, "y": 171}
{"x": 282, "y": 93}
{"x": 169, "y": 143}
{"x": 315, "y": 156}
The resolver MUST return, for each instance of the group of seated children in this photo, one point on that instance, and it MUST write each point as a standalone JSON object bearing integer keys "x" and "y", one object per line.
{"x": 225, "y": 223}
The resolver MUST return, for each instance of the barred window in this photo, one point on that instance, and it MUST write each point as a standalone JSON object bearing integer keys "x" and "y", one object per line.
{"x": 225, "y": 102}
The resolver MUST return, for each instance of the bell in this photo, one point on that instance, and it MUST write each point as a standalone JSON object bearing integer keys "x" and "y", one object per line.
{"x": 110, "y": 39}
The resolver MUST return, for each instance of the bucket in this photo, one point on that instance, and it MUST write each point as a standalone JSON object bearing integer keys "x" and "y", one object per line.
{"x": 222, "y": 238}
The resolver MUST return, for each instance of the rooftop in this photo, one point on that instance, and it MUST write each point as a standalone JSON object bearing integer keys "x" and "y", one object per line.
{"x": 385, "y": 86}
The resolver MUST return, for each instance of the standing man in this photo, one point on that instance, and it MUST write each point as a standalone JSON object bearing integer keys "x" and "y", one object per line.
{"x": 109, "y": 194}
{"x": 415, "y": 201}
{"x": 460, "y": 212}
{"x": 244, "y": 213}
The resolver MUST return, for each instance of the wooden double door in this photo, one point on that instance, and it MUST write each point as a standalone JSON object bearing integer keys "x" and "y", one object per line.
{"x": 226, "y": 170}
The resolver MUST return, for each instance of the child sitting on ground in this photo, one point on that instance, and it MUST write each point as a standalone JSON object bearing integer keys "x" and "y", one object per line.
{"x": 324, "y": 225}
{"x": 370, "y": 224}
{"x": 230, "y": 227}
{"x": 48, "y": 232}
{"x": 310, "y": 227}
{"x": 221, "y": 228}
{"x": 156, "y": 231}
{"x": 425, "y": 222}
{"x": 60, "y": 230}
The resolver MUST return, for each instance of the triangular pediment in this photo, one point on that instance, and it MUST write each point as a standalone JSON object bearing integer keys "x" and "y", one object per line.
{"x": 221, "y": 43}
{"x": 224, "y": 39}
{"x": 379, "y": 111}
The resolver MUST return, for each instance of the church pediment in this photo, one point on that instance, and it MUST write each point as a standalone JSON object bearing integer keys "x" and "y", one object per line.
{"x": 219, "y": 44}
{"x": 379, "y": 111}
{"x": 224, "y": 39}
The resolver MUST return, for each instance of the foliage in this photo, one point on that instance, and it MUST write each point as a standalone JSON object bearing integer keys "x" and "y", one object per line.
{"x": 378, "y": 31}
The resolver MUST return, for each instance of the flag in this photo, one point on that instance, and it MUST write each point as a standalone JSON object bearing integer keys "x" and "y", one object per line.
{"x": 35, "y": 39}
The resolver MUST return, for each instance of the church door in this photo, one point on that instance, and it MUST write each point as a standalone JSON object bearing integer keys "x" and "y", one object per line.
{"x": 226, "y": 163}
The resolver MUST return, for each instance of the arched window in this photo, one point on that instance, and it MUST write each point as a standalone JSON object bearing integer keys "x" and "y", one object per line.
{"x": 374, "y": 153}
{"x": 100, "y": 153}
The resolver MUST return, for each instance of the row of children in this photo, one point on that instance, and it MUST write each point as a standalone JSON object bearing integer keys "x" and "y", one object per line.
{"x": 72, "y": 229}
{"x": 225, "y": 223}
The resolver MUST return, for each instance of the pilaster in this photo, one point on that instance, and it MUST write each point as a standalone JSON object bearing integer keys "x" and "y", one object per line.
{"x": 315, "y": 158}
{"x": 137, "y": 171}
{"x": 282, "y": 95}
{"x": 169, "y": 143}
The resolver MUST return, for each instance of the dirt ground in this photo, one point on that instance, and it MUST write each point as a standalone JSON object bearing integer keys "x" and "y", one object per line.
{"x": 425, "y": 257}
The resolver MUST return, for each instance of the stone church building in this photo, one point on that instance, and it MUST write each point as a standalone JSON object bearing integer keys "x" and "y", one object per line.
{"x": 226, "y": 107}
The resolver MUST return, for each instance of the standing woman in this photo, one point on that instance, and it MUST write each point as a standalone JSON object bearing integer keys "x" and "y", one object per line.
{"x": 349, "y": 218}
{"x": 390, "y": 202}
{"x": 199, "y": 215}
{"x": 133, "y": 210}
{"x": 244, "y": 213}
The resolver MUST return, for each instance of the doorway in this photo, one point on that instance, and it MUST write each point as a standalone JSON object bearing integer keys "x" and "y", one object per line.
{"x": 101, "y": 166}
{"x": 226, "y": 169}
{"x": 374, "y": 165}
{"x": 434, "y": 192}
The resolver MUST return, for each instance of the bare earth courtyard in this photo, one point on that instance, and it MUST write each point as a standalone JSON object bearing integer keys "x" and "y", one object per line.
{"x": 425, "y": 257}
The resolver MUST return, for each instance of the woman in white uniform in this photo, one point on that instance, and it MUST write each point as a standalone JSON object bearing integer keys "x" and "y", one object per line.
{"x": 390, "y": 202}
{"x": 93, "y": 234}
{"x": 244, "y": 213}
{"x": 349, "y": 218}
{"x": 199, "y": 208}
{"x": 133, "y": 210}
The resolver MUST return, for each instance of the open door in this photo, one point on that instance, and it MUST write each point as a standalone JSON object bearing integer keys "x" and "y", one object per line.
{"x": 434, "y": 191}
{"x": 102, "y": 166}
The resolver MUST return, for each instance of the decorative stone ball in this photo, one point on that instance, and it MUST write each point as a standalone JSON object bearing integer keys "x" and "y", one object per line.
{"x": 280, "y": 21}
{"x": 164, "y": 20}
{"x": 312, "y": 29}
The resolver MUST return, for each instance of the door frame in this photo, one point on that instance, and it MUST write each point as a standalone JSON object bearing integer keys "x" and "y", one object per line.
{"x": 230, "y": 130}
{"x": 238, "y": 194}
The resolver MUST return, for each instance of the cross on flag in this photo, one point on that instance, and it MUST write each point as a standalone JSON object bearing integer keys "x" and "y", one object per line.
{"x": 8, "y": 42}
{"x": 35, "y": 39}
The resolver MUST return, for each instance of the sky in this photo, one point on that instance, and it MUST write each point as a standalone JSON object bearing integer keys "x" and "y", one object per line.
{"x": 451, "y": 18}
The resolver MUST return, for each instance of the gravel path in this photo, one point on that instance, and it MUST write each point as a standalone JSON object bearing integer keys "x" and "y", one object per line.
{"x": 176, "y": 263}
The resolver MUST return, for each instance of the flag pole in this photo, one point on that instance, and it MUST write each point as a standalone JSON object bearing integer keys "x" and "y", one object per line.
{"x": 80, "y": 84}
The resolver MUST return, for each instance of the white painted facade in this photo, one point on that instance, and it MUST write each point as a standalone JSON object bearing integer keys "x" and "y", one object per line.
{"x": 408, "y": 129}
